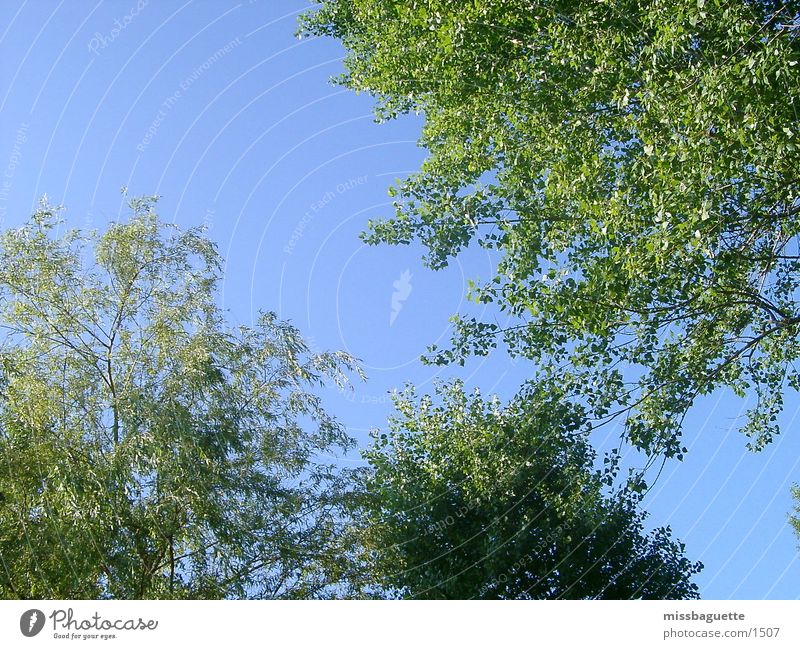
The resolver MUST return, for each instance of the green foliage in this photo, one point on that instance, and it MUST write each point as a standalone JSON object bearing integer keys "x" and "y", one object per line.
{"x": 635, "y": 166}
{"x": 471, "y": 500}
{"x": 147, "y": 450}
{"x": 795, "y": 520}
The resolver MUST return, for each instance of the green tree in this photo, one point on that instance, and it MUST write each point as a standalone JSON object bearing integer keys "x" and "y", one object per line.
{"x": 470, "y": 500}
{"x": 635, "y": 165}
{"x": 148, "y": 450}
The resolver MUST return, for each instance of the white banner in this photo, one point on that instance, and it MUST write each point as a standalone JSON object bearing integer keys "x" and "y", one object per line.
{"x": 408, "y": 624}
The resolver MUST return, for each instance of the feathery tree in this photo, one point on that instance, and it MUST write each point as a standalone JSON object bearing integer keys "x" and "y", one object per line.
{"x": 148, "y": 450}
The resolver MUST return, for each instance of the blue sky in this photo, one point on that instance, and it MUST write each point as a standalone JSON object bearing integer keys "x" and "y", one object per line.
{"x": 219, "y": 108}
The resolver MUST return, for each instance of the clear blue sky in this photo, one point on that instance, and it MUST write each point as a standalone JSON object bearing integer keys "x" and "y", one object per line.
{"x": 216, "y": 106}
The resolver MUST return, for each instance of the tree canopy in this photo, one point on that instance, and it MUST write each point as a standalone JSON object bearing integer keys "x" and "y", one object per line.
{"x": 147, "y": 449}
{"x": 635, "y": 166}
{"x": 468, "y": 499}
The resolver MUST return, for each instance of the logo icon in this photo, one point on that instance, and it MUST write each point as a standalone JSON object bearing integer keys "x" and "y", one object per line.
{"x": 402, "y": 289}
{"x": 31, "y": 622}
